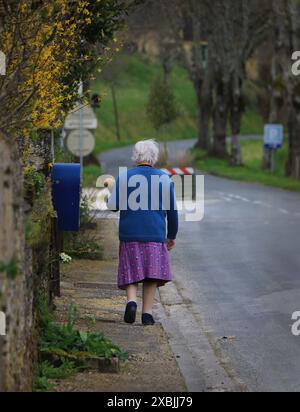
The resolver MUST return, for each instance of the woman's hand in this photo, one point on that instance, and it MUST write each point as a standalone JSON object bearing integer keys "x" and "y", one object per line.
{"x": 170, "y": 244}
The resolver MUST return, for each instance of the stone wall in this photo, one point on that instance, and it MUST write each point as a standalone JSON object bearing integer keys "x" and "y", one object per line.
{"x": 16, "y": 293}
{"x": 25, "y": 265}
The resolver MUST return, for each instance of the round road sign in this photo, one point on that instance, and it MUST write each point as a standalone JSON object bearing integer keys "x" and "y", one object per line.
{"x": 73, "y": 142}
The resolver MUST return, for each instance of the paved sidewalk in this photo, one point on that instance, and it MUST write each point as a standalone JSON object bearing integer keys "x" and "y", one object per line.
{"x": 91, "y": 285}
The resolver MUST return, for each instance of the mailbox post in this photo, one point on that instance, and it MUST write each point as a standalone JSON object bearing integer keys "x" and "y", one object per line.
{"x": 66, "y": 202}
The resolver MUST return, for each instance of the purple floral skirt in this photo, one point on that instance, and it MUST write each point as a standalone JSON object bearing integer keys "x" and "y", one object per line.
{"x": 139, "y": 261}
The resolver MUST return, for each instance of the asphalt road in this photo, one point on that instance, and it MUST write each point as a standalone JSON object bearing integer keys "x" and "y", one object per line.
{"x": 113, "y": 159}
{"x": 239, "y": 271}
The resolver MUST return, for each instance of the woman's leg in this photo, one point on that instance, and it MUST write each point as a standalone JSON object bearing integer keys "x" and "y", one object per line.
{"x": 131, "y": 291}
{"x": 131, "y": 307}
{"x": 149, "y": 290}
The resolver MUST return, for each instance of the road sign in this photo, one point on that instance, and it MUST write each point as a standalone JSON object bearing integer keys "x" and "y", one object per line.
{"x": 89, "y": 120}
{"x": 273, "y": 136}
{"x": 73, "y": 142}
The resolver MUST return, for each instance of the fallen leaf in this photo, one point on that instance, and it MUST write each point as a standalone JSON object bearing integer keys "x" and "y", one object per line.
{"x": 228, "y": 338}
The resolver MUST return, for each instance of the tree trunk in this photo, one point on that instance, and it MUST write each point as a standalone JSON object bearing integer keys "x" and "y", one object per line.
{"x": 116, "y": 111}
{"x": 166, "y": 71}
{"x": 204, "y": 98}
{"x": 236, "y": 151}
{"x": 276, "y": 102}
{"x": 165, "y": 56}
{"x": 293, "y": 162}
{"x": 220, "y": 115}
{"x": 293, "y": 92}
{"x": 235, "y": 120}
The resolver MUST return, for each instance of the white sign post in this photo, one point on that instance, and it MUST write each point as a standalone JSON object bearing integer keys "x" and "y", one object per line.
{"x": 81, "y": 119}
{"x": 81, "y": 132}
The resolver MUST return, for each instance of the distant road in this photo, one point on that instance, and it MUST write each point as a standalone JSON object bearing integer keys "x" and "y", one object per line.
{"x": 113, "y": 159}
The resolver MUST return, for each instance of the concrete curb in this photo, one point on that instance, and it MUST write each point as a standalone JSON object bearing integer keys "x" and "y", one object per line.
{"x": 201, "y": 367}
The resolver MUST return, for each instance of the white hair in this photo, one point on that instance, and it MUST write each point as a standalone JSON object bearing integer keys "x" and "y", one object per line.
{"x": 146, "y": 151}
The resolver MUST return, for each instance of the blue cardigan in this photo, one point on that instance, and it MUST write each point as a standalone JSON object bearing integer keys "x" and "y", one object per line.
{"x": 145, "y": 224}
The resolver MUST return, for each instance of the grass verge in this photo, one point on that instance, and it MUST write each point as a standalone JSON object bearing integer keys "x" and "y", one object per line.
{"x": 132, "y": 91}
{"x": 251, "y": 171}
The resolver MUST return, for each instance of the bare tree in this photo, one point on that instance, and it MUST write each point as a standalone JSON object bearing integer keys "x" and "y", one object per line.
{"x": 279, "y": 43}
{"x": 187, "y": 29}
{"x": 287, "y": 14}
{"x": 293, "y": 90}
{"x": 216, "y": 39}
{"x": 237, "y": 28}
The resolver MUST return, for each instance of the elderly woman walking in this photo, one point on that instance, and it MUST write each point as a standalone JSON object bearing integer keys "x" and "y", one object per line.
{"x": 147, "y": 229}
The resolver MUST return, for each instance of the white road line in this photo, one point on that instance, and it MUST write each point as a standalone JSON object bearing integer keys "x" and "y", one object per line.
{"x": 243, "y": 199}
{"x": 284, "y": 211}
{"x": 229, "y": 197}
{"x": 260, "y": 203}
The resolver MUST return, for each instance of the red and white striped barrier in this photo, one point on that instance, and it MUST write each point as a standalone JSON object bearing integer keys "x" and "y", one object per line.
{"x": 179, "y": 171}
{"x": 182, "y": 172}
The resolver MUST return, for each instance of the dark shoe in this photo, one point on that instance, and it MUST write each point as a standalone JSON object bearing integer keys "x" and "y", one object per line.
{"x": 130, "y": 312}
{"x": 147, "y": 319}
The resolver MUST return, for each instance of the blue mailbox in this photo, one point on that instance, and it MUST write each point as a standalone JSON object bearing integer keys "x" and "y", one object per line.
{"x": 66, "y": 195}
